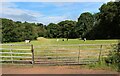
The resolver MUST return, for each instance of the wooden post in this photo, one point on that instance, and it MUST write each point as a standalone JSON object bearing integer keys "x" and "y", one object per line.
{"x": 11, "y": 53}
{"x": 100, "y": 53}
{"x": 79, "y": 56}
{"x": 32, "y": 50}
{"x": 56, "y": 55}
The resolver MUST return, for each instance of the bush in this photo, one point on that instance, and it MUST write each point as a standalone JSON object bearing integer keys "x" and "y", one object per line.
{"x": 113, "y": 58}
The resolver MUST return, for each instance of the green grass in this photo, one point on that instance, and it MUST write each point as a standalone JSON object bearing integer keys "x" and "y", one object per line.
{"x": 70, "y": 41}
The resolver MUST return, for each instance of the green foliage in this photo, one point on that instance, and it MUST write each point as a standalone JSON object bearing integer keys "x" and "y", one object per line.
{"x": 111, "y": 62}
{"x": 64, "y": 29}
{"x": 53, "y": 30}
{"x": 8, "y": 33}
{"x": 67, "y": 28}
{"x": 100, "y": 65}
{"x": 18, "y": 31}
{"x": 114, "y": 57}
{"x": 40, "y": 29}
{"x": 85, "y": 23}
{"x": 108, "y": 22}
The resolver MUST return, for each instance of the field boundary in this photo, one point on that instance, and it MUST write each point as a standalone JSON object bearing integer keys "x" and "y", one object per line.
{"x": 54, "y": 54}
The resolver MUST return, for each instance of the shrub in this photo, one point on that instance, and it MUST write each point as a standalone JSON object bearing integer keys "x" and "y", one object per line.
{"x": 113, "y": 58}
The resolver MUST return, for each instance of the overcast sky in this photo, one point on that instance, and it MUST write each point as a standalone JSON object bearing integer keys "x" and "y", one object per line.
{"x": 47, "y": 12}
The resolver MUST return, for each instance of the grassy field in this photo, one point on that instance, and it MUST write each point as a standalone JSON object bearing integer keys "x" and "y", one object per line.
{"x": 44, "y": 41}
{"x": 62, "y": 50}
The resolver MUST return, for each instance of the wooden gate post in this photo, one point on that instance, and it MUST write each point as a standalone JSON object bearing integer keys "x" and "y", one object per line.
{"x": 100, "y": 53}
{"x": 79, "y": 55}
{"x": 11, "y": 53}
{"x": 32, "y": 50}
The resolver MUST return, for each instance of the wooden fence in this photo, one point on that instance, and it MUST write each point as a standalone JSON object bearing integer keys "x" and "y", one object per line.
{"x": 17, "y": 53}
{"x": 53, "y": 54}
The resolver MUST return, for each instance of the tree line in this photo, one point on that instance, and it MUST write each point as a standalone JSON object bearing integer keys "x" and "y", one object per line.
{"x": 102, "y": 25}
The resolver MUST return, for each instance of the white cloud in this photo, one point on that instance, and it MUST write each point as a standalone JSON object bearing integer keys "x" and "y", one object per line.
{"x": 52, "y": 19}
{"x": 10, "y": 10}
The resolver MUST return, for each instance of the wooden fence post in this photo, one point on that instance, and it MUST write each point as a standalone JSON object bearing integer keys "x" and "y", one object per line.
{"x": 11, "y": 53}
{"x": 79, "y": 55}
{"x": 100, "y": 53}
{"x": 56, "y": 55}
{"x": 32, "y": 50}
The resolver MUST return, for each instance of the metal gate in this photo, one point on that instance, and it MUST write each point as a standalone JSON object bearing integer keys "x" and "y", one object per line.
{"x": 53, "y": 54}
{"x": 70, "y": 54}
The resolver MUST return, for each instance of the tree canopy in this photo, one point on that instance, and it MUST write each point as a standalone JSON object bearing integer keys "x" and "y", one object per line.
{"x": 108, "y": 23}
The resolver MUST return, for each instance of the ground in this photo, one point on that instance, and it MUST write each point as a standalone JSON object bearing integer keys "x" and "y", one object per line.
{"x": 52, "y": 70}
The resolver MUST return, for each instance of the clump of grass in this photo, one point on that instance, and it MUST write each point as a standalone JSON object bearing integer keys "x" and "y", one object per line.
{"x": 101, "y": 66}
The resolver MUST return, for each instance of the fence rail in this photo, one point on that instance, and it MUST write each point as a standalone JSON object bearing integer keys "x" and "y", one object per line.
{"x": 16, "y": 53}
{"x": 71, "y": 54}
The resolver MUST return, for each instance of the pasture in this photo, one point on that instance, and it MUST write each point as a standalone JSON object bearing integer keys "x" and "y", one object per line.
{"x": 54, "y": 51}
{"x": 44, "y": 41}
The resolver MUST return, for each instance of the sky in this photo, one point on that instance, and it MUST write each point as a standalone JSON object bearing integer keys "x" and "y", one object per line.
{"x": 46, "y": 12}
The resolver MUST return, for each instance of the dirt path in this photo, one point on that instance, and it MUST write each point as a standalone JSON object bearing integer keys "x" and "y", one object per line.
{"x": 51, "y": 70}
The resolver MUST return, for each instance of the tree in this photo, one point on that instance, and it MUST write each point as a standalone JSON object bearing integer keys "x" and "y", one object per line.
{"x": 17, "y": 31}
{"x": 109, "y": 22}
{"x": 53, "y": 30}
{"x": 85, "y": 23}
{"x": 40, "y": 29}
{"x": 67, "y": 28}
{"x": 7, "y": 31}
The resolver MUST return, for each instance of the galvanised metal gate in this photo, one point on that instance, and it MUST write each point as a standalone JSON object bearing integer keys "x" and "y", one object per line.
{"x": 70, "y": 54}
